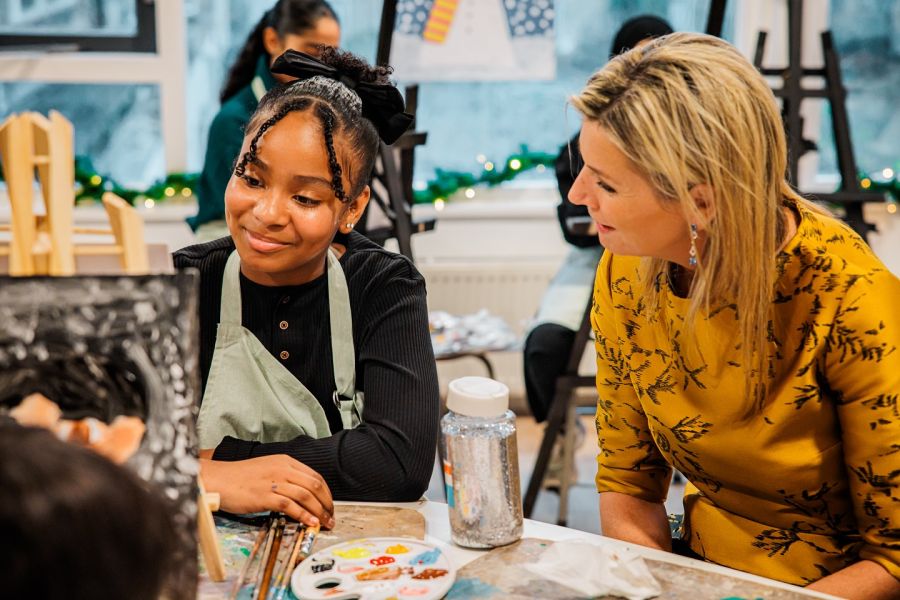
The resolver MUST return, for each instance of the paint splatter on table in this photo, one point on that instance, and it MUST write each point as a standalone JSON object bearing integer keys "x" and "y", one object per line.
{"x": 500, "y": 574}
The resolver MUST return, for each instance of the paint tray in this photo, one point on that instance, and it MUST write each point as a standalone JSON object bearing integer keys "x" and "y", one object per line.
{"x": 375, "y": 569}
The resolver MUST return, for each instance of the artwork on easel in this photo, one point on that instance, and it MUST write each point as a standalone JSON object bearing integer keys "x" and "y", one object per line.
{"x": 116, "y": 359}
{"x": 474, "y": 40}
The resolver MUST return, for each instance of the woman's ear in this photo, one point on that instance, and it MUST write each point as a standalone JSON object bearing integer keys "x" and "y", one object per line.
{"x": 272, "y": 43}
{"x": 355, "y": 209}
{"x": 704, "y": 199}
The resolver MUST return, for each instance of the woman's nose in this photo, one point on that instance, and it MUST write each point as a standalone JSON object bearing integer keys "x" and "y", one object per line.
{"x": 577, "y": 193}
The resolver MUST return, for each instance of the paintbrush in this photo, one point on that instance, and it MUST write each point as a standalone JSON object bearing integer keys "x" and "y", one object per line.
{"x": 281, "y": 584}
{"x": 263, "y": 558}
{"x": 303, "y": 551}
{"x": 263, "y": 531}
{"x": 263, "y": 589}
{"x": 309, "y": 538}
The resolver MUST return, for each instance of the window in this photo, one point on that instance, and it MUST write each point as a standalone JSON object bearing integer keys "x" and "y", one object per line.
{"x": 78, "y": 25}
{"x": 867, "y": 38}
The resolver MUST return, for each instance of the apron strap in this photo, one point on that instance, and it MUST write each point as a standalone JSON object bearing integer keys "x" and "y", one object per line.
{"x": 258, "y": 88}
{"x": 348, "y": 401}
{"x": 230, "y": 311}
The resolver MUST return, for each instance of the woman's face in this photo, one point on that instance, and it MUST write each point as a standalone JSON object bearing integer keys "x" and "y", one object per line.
{"x": 630, "y": 216}
{"x": 326, "y": 32}
{"x": 282, "y": 213}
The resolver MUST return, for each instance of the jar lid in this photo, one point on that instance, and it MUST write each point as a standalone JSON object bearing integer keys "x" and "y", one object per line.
{"x": 478, "y": 397}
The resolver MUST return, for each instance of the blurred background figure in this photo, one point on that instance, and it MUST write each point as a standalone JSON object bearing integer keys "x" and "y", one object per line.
{"x": 303, "y": 25}
{"x": 76, "y": 526}
{"x": 549, "y": 343}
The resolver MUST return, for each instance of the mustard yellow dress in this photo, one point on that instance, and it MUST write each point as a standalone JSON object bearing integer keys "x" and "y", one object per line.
{"x": 809, "y": 483}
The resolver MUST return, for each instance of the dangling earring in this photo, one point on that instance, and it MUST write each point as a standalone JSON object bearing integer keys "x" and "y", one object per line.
{"x": 692, "y": 254}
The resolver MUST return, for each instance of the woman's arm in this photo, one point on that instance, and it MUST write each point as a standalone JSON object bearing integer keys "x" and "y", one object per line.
{"x": 865, "y": 580}
{"x": 862, "y": 370}
{"x": 631, "y": 519}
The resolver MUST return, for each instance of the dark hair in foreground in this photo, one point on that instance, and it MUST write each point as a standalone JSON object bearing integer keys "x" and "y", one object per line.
{"x": 287, "y": 16}
{"x": 76, "y": 526}
{"x": 338, "y": 111}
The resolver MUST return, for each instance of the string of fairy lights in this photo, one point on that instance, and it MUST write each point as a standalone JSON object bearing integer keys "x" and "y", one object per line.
{"x": 445, "y": 186}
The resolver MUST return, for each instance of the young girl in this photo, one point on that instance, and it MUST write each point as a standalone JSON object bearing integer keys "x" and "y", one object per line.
{"x": 315, "y": 354}
{"x": 742, "y": 335}
{"x": 302, "y": 25}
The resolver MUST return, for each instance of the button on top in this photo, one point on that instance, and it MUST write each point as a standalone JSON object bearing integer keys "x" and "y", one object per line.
{"x": 283, "y": 324}
{"x": 286, "y": 299}
{"x": 285, "y": 355}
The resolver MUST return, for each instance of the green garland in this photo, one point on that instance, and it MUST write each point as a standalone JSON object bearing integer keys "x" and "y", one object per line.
{"x": 447, "y": 183}
{"x": 91, "y": 185}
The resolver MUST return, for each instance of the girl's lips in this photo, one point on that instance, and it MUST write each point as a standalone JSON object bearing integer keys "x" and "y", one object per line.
{"x": 604, "y": 228}
{"x": 262, "y": 244}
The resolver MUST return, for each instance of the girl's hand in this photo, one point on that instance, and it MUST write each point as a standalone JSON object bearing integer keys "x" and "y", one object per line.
{"x": 278, "y": 483}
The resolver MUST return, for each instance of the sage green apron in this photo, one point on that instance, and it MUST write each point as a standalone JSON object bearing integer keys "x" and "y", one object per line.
{"x": 252, "y": 396}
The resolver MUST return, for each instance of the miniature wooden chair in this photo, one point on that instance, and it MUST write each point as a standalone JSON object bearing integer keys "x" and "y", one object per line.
{"x": 46, "y": 245}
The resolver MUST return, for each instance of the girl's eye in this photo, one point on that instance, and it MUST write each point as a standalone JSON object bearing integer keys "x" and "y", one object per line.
{"x": 251, "y": 181}
{"x": 606, "y": 187}
{"x": 306, "y": 201}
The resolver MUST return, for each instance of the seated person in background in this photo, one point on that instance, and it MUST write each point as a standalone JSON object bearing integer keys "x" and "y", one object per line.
{"x": 742, "y": 335}
{"x": 300, "y": 316}
{"x": 302, "y": 25}
{"x": 74, "y": 525}
{"x": 549, "y": 343}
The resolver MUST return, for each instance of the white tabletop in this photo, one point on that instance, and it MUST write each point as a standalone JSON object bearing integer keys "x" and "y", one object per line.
{"x": 437, "y": 531}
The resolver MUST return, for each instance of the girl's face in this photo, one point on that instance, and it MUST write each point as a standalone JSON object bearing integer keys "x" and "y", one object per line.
{"x": 631, "y": 217}
{"x": 282, "y": 213}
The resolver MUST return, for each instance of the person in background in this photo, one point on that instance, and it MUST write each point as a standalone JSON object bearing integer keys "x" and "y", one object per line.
{"x": 74, "y": 525}
{"x": 315, "y": 355}
{"x": 303, "y": 25}
{"x": 548, "y": 344}
{"x": 743, "y": 335}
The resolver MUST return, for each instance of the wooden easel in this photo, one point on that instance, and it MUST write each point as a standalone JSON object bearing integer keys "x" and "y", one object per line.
{"x": 209, "y": 543}
{"x": 792, "y": 92}
{"x": 45, "y": 244}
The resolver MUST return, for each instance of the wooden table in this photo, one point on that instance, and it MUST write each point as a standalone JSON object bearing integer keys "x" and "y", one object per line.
{"x": 437, "y": 531}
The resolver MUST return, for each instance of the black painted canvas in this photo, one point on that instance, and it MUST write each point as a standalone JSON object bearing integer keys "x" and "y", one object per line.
{"x": 107, "y": 346}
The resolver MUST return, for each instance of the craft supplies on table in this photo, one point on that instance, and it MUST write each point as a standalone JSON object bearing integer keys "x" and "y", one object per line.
{"x": 239, "y": 537}
{"x": 375, "y": 569}
{"x": 481, "y": 464}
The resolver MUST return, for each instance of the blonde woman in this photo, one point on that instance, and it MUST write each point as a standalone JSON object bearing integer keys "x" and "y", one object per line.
{"x": 743, "y": 336}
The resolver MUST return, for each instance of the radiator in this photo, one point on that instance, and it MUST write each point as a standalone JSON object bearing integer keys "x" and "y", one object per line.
{"x": 511, "y": 291}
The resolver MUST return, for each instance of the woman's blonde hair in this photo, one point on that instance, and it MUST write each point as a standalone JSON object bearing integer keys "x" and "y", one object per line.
{"x": 688, "y": 109}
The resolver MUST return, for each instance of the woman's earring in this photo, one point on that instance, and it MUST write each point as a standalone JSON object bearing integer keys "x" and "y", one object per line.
{"x": 350, "y": 225}
{"x": 692, "y": 255}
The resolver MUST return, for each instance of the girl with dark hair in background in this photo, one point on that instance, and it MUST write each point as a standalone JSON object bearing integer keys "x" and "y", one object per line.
{"x": 302, "y": 25}
{"x": 302, "y": 318}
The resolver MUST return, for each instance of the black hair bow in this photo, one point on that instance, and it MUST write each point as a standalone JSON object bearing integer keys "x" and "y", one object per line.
{"x": 382, "y": 104}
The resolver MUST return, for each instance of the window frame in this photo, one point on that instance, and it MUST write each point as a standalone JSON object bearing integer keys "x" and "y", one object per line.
{"x": 144, "y": 39}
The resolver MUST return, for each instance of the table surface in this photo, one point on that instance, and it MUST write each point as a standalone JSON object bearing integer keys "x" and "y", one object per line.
{"x": 437, "y": 532}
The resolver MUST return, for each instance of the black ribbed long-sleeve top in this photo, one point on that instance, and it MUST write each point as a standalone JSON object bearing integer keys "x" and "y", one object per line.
{"x": 390, "y": 456}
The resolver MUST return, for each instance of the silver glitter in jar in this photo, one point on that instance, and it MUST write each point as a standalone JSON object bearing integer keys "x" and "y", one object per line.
{"x": 481, "y": 464}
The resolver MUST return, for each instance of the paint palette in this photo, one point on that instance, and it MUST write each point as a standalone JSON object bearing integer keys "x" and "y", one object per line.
{"x": 375, "y": 569}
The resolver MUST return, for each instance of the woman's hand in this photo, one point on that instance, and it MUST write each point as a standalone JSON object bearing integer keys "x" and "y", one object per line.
{"x": 276, "y": 482}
